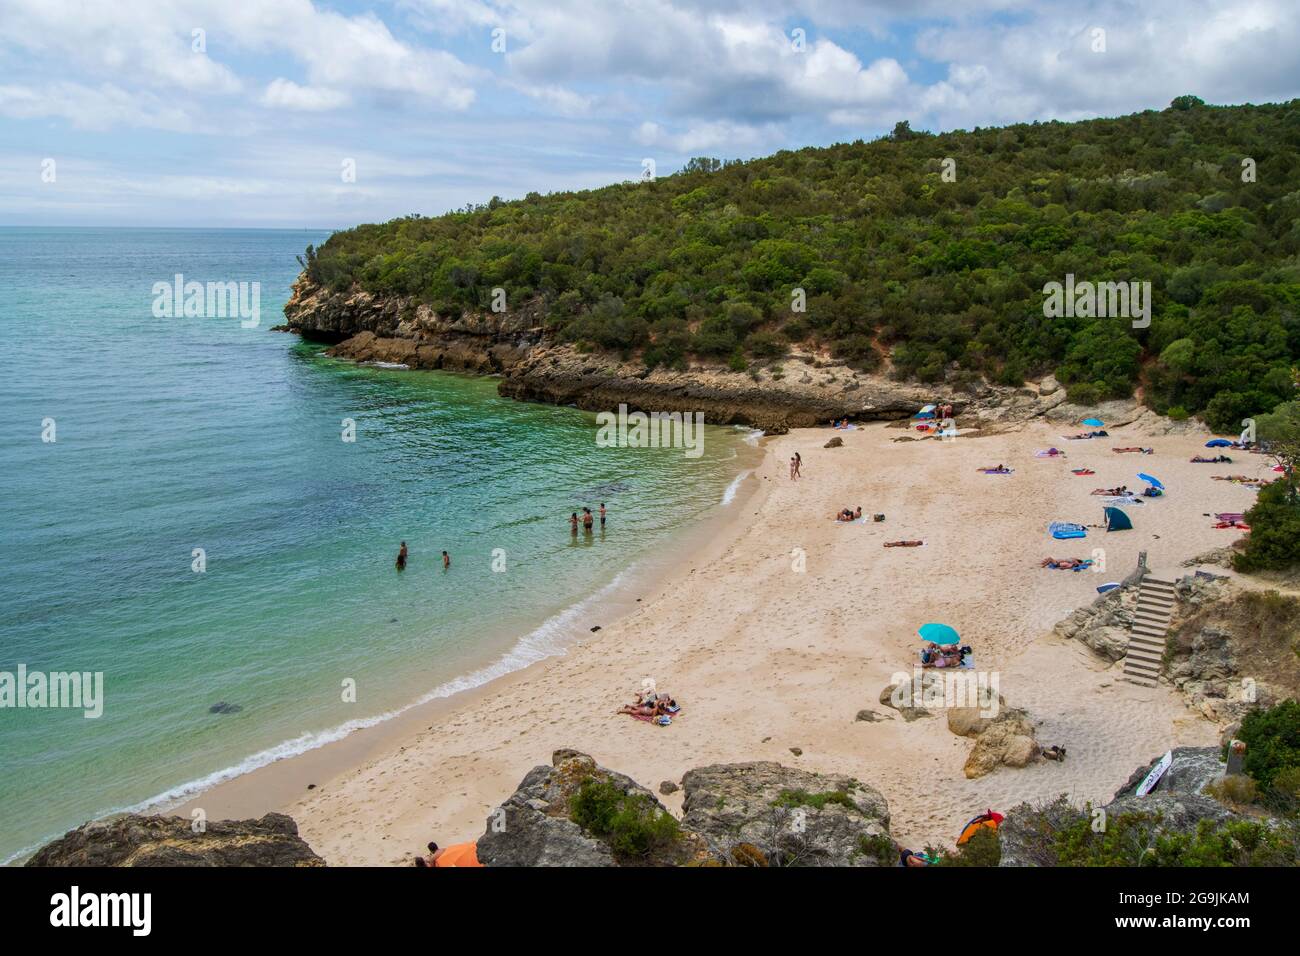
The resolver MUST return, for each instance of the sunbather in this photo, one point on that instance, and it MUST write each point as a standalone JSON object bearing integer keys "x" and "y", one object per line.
{"x": 1216, "y": 460}
{"x": 1144, "y": 451}
{"x": 848, "y": 514}
{"x": 1066, "y": 564}
{"x": 903, "y": 544}
{"x": 999, "y": 470}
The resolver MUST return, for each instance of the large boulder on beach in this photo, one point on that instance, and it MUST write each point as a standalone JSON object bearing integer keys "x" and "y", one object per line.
{"x": 765, "y": 814}
{"x": 1008, "y": 740}
{"x": 134, "y": 840}
{"x": 540, "y": 824}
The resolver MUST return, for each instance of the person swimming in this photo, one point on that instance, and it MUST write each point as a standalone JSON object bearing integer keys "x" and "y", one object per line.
{"x": 446, "y": 560}
{"x": 401, "y": 558}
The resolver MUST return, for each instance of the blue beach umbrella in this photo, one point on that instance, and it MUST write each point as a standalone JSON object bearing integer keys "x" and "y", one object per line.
{"x": 1109, "y": 586}
{"x": 1093, "y": 422}
{"x": 940, "y": 634}
{"x": 1150, "y": 479}
{"x": 1218, "y": 443}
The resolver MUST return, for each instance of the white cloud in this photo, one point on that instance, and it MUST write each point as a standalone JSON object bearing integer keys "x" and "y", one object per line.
{"x": 286, "y": 94}
{"x": 92, "y": 108}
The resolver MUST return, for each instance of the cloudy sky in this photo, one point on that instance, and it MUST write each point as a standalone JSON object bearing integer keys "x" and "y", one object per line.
{"x": 253, "y": 112}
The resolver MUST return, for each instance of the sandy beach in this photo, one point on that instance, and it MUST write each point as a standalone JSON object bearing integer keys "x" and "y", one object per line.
{"x": 764, "y": 657}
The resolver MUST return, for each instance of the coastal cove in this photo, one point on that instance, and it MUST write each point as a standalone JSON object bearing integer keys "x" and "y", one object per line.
{"x": 770, "y": 663}
{"x": 180, "y": 436}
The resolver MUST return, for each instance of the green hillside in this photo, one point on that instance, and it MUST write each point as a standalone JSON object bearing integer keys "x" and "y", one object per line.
{"x": 943, "y": 277}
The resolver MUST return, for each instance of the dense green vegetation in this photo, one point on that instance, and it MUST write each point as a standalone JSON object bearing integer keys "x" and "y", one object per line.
{"x": 631, "y": 822}
{"x": 1272, "y": 739}
{"x": 1136, "y": 839}
{"x": 941, "y": 276}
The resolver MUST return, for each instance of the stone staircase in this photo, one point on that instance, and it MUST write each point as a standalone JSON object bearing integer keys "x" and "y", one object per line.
{"x": 1146, "y": 642}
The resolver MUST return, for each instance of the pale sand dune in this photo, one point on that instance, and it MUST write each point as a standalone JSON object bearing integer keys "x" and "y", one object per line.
{"x": 763, "y": 659}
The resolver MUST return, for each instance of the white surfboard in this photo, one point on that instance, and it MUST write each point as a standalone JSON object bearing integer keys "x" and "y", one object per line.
{"x": 1149, "y": 782}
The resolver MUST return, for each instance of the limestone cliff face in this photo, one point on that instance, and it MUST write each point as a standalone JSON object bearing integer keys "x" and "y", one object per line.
{"x": 801, "y": 390}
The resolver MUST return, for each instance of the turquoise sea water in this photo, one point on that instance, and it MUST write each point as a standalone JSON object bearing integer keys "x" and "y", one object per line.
{"x": 174, "y": 434}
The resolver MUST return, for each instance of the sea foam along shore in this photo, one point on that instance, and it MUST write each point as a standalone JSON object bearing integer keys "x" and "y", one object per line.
{"x": 766, "y": 659}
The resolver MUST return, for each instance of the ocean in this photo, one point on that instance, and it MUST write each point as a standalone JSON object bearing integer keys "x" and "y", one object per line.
{"x": 184, "y": 514}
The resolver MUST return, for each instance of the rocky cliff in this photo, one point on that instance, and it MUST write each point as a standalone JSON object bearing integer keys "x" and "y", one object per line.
{"x": 800, "y": 390}
{"x": 577, "y": 813}
{"x": 134, "y": 840}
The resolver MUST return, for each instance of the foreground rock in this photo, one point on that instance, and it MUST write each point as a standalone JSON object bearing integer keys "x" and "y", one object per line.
{"x": 135, "y": 840}
{"x": 750, "y": 814}
{"x": 535, "y": 826}
{"x": 765, "y": 814}
{"x": 1178, "y": 804}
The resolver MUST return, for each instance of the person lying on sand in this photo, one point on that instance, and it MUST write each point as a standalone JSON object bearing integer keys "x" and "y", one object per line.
{"x": 431, "y": 859}
{"x": 903, "y": 544}
{"x": 1216, "y": 460}
{"x": 1054, "y": 752}
{"x": 848, "y": 514}
{"x": 1065, "y": 564}
{"x": 1082, "y": 471}
{"x": 1144, "y": 451}
{"x": 908, "y": 858}
{"x": 999, "y": 470}
{"x": 1111, "y": 492}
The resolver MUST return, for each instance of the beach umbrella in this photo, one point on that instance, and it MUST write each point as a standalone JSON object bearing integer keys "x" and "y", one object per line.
{"x": 1150, "y": 479}
{"x": 940, "y": 634}
{"x": 1218, "y": 443}
{"x": 1093, "y": 422}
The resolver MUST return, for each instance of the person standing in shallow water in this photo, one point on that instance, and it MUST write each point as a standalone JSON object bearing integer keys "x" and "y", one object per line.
{"x": 401, "y": 558}
{"x": 587, "y": 520}
{"x": 602, "y": 514}
{"x": 573, "y": 524}
{"x": 446, "y": 560}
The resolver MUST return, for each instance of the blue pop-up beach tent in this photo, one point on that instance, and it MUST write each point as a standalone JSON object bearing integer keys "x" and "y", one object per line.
{"x": 1093, "y": 422}
{"x": 1218, "y": 443}
{"x": 1117, "y": 520}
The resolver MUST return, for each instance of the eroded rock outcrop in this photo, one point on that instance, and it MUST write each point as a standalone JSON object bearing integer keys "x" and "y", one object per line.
{"x": 799, "y": 390}
{"x": 790, "y": 817}
{"x": 135, "y": 840}
{"x": 535, "y": 825}
{"x": 749, "y": 814}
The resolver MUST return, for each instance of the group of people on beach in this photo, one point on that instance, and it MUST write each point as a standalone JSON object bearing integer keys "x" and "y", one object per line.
{"x": 403, "y": 554}
{"x": 588, "y": 520}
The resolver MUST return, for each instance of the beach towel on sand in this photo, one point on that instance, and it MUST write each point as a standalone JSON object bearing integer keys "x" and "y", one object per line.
{"x": 1066, "y": 529}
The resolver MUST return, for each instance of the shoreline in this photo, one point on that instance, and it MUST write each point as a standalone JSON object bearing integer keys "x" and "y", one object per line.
{"x": 278, "y": 783}
{"x": 766, "y": 662}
